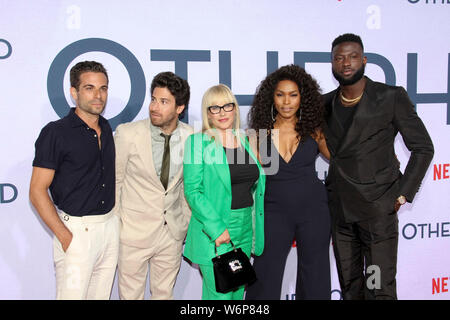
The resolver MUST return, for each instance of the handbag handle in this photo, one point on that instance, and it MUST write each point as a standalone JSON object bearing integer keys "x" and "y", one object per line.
{"x": 215, "y": 248}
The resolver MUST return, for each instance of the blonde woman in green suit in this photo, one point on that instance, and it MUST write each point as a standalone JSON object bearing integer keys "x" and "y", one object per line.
{"x": 224, "y": 186}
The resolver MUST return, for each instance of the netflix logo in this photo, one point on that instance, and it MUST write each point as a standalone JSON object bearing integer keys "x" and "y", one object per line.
{"x": 439, "y": 285}
{"x": 441, "y": 171}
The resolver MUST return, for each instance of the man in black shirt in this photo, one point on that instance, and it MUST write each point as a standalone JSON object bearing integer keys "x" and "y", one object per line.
{"x": 74, "y": 160}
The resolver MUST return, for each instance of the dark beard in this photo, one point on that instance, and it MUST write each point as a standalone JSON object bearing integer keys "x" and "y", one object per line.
{"x": 349, "y": 81}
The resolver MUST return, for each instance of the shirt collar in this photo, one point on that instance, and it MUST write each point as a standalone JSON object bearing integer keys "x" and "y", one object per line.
{"x": 156, "y": 132}
{"x": 76, "y": 121}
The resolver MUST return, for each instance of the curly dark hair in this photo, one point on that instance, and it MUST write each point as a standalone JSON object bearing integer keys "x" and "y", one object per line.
{"x": 311, "y": 106}
{"x": 177, "y": 86}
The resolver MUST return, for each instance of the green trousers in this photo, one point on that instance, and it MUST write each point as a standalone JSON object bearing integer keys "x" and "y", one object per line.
{"x": 241, "y": 233}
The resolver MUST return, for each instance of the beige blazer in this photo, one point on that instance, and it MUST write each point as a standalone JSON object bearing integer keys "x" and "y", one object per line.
{"x": 142, "y": 203}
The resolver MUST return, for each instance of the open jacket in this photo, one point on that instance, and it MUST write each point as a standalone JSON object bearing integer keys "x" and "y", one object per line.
{"x": 142, "y": 203}
{"x": 207, "y": 186}
{"x": 364, "y": 176}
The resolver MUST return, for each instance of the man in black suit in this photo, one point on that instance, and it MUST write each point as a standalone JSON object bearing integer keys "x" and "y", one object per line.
{"x": 365, "y": 185}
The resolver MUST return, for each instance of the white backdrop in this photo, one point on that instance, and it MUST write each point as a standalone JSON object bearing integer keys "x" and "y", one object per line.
{"x": 235, "y": 42}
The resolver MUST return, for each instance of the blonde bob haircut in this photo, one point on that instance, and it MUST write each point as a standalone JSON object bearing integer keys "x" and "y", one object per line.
{"x": 219, "y": 94}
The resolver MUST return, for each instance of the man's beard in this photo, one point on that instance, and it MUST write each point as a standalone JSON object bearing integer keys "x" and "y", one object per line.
{"x": 86, "y": 107}
{"x": 163, "y": 122}
{"x": 349, "y": 81}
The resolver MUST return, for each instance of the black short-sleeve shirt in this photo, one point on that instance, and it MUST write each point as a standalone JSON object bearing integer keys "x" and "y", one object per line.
{"x": 84, "y": 181}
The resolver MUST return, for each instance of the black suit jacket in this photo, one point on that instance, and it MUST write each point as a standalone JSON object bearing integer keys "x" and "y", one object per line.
{"x": 364, "y": 177}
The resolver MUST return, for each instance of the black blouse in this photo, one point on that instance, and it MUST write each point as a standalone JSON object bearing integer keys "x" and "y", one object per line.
{"x": 244, "y": 173}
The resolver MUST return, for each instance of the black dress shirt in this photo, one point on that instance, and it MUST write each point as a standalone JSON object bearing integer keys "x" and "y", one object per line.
{"x": 84, "y": 181}
{"x": 344, "y": 115}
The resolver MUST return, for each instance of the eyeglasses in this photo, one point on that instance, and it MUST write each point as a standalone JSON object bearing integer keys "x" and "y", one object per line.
{"x": 226, "y": 107}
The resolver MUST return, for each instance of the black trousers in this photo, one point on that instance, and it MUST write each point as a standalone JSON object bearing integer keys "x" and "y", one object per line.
{"x": 366, "y": 257}
{"x": 313, "y": 263}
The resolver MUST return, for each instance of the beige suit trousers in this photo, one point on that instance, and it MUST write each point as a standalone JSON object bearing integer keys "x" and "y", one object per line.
{"x": 164, "y": 260}
{"x": 86, "y": 270}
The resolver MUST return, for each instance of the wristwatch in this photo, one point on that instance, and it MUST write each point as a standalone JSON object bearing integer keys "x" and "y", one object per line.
{"x": 401, "y": 200}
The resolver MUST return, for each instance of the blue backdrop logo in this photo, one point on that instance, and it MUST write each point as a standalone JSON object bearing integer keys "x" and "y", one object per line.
{"x": 55, "y": 79}
{"x": 430, "y": 1}
{"x": 181, "y": 58}
{"x": 8, "y": 47}
{"x": 7, "y": 196}
{"x": 426, "y": 230}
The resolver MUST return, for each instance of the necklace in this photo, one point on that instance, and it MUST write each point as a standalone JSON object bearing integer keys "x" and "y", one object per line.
{"x": 350, "y": 101}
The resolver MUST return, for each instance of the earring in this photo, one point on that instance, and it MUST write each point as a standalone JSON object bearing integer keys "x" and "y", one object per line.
{"x": 300, "y": 116}
{"x": 273, "y": 118}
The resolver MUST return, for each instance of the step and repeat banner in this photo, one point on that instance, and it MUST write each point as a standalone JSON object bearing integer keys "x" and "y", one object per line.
{"x": 209, "y": 42}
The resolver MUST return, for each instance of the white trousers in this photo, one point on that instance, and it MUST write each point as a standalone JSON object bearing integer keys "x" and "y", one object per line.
{"x": 86, "y": 270}
{"x": 164, "y": 260}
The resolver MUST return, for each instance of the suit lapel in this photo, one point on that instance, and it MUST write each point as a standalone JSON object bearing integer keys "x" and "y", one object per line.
{"x": 360, "y": 119}
{"x": 247, "y": 147}
{"x": 144, "y": 148}
{"x": 336, "y": 127}
{"x": 333, "y": 129}
{"x": 184, "y": 133}
{"x": 215, "y": 155}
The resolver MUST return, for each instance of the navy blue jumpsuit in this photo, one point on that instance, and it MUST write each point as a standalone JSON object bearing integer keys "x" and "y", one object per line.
{"x": 295, "y": 208}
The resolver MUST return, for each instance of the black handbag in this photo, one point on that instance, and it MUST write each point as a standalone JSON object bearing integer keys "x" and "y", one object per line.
{"x": 232, "y": 270}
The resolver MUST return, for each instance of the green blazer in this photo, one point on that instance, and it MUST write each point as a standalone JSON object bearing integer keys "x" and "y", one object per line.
{"x": 207, "y": 187}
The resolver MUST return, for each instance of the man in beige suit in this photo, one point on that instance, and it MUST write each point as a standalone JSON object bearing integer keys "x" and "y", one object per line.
{"x": 149, "y": 191}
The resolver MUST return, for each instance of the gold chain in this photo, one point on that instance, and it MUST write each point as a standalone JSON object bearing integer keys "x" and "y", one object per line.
{"x": 350, "y": 101}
